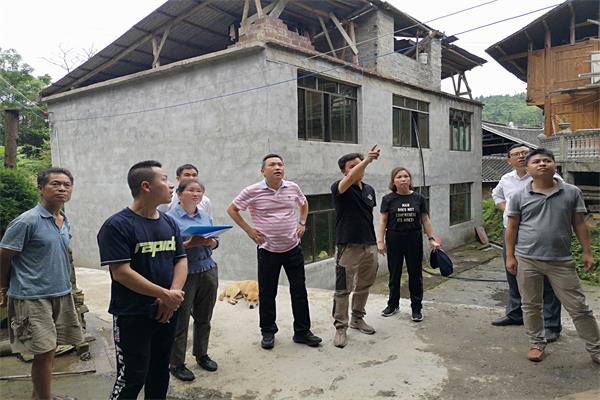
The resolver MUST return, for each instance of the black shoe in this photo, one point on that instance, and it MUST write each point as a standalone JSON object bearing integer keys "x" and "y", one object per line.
{"x": 207, "y": 363}
{"x": 182, "y": 373}
{"x": 307, "y": 338}
{"x": 417, "y": 316}
{"x": 551, "y": 336}
{"x": 389, "y": 311}
{"x": 268, "y": 340}
{"x": 505, "y": 321}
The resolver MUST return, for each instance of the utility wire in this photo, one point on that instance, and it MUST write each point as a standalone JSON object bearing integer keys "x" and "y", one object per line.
{"x": 20, "y": 94}
{"x": 234, "y": 93}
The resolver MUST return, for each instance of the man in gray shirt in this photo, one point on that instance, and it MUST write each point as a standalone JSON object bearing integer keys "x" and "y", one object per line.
{"x": 541, "y": 219}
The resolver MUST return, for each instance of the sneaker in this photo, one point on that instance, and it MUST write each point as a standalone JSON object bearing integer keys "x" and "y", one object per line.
{"x": 182, "y": 373}
{"x": 535, "y": 353}
{"x": 362, "y": 326}
{"x": 207, "y": 363}
{"x": 389, "y": 311}
{"x": 268, "y": 340}
{"x": 340, "y": 338}
{"x": 417, "y": 316}
{"x": 308, "y": 339}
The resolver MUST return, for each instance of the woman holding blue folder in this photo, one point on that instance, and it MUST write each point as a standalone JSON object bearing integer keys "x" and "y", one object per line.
{"x": 201, "y": 285}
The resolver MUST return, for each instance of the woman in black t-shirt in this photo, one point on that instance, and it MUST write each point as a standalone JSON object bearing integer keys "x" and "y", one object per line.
{"x": 404, "y": 216}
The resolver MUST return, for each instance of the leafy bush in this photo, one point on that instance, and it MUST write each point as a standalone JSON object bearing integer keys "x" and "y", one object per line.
{"x": 18, "y": 192}
{"x": 594, "y": 276}
{"x": 492, "y": 220}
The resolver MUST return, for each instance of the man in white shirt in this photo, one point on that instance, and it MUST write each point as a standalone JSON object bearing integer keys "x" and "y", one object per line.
{"x": 509, "y": 184}
{"x": 184, "y": 172}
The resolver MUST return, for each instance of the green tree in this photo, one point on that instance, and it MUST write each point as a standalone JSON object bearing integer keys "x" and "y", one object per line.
{"x": 503, "y": 109}
{"x": 19, "y": 88}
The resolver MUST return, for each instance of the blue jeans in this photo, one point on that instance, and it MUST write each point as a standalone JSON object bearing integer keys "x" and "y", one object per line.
{"x": 552, "y": 306}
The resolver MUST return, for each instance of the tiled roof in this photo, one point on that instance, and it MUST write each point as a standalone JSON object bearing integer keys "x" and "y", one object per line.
{"x": 493, "y": 167}
{"x": 528, "y": 136}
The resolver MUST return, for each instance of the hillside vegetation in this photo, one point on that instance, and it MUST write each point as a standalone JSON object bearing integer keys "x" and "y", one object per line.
{"x": 503, "y": 109}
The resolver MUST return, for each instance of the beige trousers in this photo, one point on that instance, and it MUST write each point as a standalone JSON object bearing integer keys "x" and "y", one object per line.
{"x": 565, "y": 283}
{"x": 355, "y": 272}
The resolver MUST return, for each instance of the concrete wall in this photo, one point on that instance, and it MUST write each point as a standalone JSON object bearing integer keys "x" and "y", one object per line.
{"x": 226, "y": 138}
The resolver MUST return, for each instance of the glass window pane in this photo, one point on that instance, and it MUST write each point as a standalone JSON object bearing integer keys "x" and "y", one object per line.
{"x": 327, "y": 86}
{"x": 346, "y": 90}
{"x": 468, "y": 133}
{"x": 398, "y": 101}
{"x": 314, "y": 115}
{"x": 309, "y": 82}
{"x": 396, "y": 127}
{"x": 412, "y": 104}
{"x": 405, "y": 128}
{"x": 423, "y": 106}
{"x": 350, "y": 121}
{"x": 322, "y": 248}
{"x": 337, "y": 118}
{"x": 301, "y": 115}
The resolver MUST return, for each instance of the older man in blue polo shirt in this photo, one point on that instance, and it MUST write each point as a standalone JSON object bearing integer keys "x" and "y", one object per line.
{"x": 35, "y": 274}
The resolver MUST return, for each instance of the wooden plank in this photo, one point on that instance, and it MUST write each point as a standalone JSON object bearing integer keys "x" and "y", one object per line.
{"x": 138, "y": 43}
{"x": 517, "y": 66}
{"x": 572, "y": 24}
{"x": 327, "y": 35}
{"x": 315, "y": 11}
{"x": 157, "y": 49}
{"x": 278, "y": 8}
{"x": 266, "y": 10}
{"x": 353, "y": 37}
{"x": 244, "y": 23}
{"x": 514, "y": 56}
{"x": 340, "y": 28}
{"x": 259, "y": 9}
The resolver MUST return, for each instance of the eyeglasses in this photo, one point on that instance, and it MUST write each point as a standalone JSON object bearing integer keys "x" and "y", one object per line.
{"x": 519, "y": 154}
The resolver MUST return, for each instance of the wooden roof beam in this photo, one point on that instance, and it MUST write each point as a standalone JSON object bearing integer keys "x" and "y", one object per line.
{"x": 343, "y": 32}
{"x": 512, "y": 62}
{"x": 327, "y": 36}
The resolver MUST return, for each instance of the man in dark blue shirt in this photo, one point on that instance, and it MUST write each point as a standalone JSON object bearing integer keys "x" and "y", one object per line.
{"x": 148, "y": 268}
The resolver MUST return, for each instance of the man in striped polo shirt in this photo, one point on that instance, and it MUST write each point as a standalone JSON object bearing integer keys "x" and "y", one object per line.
{"x": 277, "y": 230}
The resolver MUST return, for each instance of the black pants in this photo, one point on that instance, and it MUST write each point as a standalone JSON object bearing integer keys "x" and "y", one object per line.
{"x": 405, "y": 246}
{"x": 143, "y": 347}
{"x": 269, "y": 267}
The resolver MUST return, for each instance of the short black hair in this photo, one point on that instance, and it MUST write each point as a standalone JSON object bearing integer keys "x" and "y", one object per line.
{"x": 539, "y": 150}
{"x": 349, "y": 157}
{"x": 515, "y": 146}
{"x": 139, "y": 173}
{"x": 180, "y": 169}
{"x": 271, "y": 155}
{"x": 44, "y": 176}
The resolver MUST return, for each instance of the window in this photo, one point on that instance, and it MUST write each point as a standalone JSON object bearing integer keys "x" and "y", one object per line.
{"x": 460, "y": 130}
{"x": 460, "y": 203}
{"x": 410, "y": 122}
{"x": 326, "y": 110}
{"x": 424, "y": 191}
{"x": 318, "y": 242}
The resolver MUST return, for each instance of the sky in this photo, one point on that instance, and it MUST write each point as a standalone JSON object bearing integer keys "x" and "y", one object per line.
{"x": 38, "y": 29}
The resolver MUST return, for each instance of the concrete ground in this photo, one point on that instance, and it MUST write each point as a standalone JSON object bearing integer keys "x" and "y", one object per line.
{"x": 453, "y": 354}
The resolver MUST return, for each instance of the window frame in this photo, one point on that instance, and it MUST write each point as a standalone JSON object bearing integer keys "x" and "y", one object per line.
{"x": 463, "y": 119}
{"x": 414, "y": 110}
{"x": 330, "y": 91}
{"x": 465, "y": 190}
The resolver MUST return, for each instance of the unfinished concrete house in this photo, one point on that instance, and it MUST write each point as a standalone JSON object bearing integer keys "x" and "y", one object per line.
{"x": 219, "y": 84}
{"x": 558, "y": 55}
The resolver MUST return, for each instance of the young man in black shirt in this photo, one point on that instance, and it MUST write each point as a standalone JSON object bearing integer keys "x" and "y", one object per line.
{"x": 356, "y": 265}
{"x": 148, "y": 268}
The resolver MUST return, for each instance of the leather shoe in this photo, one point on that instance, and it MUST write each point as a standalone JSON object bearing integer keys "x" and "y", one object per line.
{"x": 207, "y": 363}
{"x": 182, "y": 373}
{"x": 340, "y": 338}
{"x": 308, "y": 339}
{"x": 535, "y": 353}
{"x": 551, "y": 336}
{"x": 268, "y": 340}
{"x": 505, "y": 321}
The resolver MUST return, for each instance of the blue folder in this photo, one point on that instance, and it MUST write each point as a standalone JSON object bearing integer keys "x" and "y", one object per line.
{"x": 206, "y": 231}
